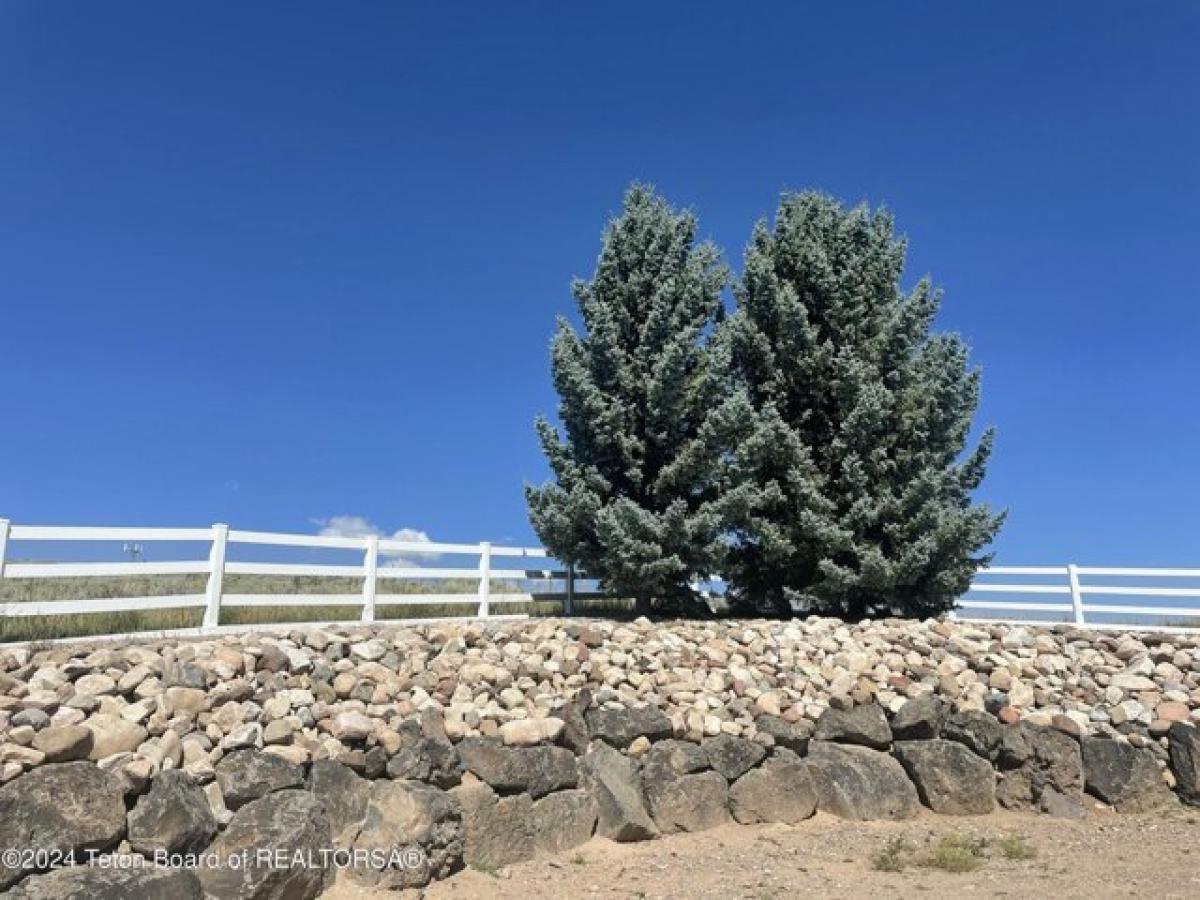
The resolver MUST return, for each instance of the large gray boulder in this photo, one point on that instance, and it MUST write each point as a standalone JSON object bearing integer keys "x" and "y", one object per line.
{"x": 402, "y": 815}
{"x": 920, "y": 719}
{"x": 1183, "y": 751}
{"x": 856, "y": 782}
{"x": 621, "y": 727}
{"x": 680, "y": 794}
{"x": 1041, "y": 762}
{"x": 110, "y": 883}
{"x": 1059, "y": 806}
{"x": 616, "y": 787}
{"x": 670, "y": 759}
{"x": 247, "y": 775}
{"x": 692, "y": 802}
{"x": 536, "y": 771}
{"x": 950, "y": 779}
{"x": 979, "y": 732}
{"x": 1014, "y": 790}
{"x": 563, "y": 820}
{"x": 1055, "y": 757}
{"x": 780, "y": 790}
{"x": 1125, "y": 777}
{"x": 65, "y": 807}
{"x": 1014, "y": 747}
{"x": 496, "y": 831}
{"x": 345, "y": 796}
{"x": 426, "y": 759}
{"x": 864, "y": 724}
{"x": 792, "y": 736}
{"x": 173, "y": 817}
{"x": 575, "y": 736}
{"x": 732, "y": 756}
{"x": 287, "y": 823}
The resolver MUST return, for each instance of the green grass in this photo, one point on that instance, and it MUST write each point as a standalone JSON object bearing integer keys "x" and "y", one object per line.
{"x": 954, "y": 853}
{"x": 894, "y": 857}
{"x": 20, "y": 590}
{"x": 1016, "y": 847}
{"x": 950, "y": 853}
{"x": 487, "y": 868}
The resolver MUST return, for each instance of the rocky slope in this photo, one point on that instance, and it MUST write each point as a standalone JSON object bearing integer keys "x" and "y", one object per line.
{"x": 482, "y": 745}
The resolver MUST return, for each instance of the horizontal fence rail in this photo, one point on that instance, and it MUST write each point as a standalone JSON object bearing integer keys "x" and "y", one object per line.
{"x": 220, "y": 538}
{"x": 1077, "y": 585}
{"x": 1083, "y": 595}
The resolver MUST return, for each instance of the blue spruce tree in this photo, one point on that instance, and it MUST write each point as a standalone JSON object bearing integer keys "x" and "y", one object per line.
{"x": 850, "y": 486}
{"x": 635, "y": 499}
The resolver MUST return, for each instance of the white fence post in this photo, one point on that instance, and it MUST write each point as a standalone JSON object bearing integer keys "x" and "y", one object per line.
{"x": 216, "y": 576}
{"x": 370, "y": 575}
{"x": 485, "y": 577}
{"x": 5, "y": 525}
{"x": 1076, "y": 593}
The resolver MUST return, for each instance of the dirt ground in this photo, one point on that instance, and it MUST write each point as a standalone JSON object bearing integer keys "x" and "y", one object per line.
{"x": 1107, "y": 855}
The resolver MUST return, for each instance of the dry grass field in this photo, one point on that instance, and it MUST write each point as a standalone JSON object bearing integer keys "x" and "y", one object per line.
{"x": 15, "y": 628}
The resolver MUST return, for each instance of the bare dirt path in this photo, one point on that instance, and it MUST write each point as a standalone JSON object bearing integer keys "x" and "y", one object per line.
{"x": 1107, "y": 855}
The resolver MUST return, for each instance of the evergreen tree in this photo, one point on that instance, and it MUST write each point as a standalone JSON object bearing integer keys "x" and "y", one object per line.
{"x": 853, "y": 486}
{"x": 634, "y": 495}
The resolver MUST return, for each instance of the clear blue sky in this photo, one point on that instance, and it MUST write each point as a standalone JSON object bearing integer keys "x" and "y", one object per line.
{"x": 268, "y": 263}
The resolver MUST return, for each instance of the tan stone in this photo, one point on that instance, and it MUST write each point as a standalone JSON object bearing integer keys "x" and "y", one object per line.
{"x": 184, "y": 701}
{"x": 113, "y": 734}
{"x": 65, "y": 743}
{"x": 527, "y": 732}
{"x": 1171, "y": 711}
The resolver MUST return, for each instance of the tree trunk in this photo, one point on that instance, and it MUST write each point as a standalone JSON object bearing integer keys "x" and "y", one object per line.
{"x": 641, "y": 606}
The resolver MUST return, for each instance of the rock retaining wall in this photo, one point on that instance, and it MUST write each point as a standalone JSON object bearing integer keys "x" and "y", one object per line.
{"x": 482, "y": 746}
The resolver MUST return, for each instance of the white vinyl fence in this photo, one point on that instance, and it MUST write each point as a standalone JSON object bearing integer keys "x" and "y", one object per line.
{"x": 216, "y": 566}
{"x": 1065, "y": 593}
{"x": 1058, "y": 593}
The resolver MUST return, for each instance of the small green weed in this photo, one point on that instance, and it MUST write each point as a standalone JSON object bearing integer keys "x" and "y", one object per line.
{"x": 1016, "y": 847}
{"x": 950, "y": 853}
{"x": 954, "y": 853}
{"x": 894, "y": 857}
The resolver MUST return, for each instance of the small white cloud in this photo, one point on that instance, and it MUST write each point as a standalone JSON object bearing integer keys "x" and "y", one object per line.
{"x": 360, "y": 527}
{"x": 411, "y": 534}
{"x": 346, "y": 526}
